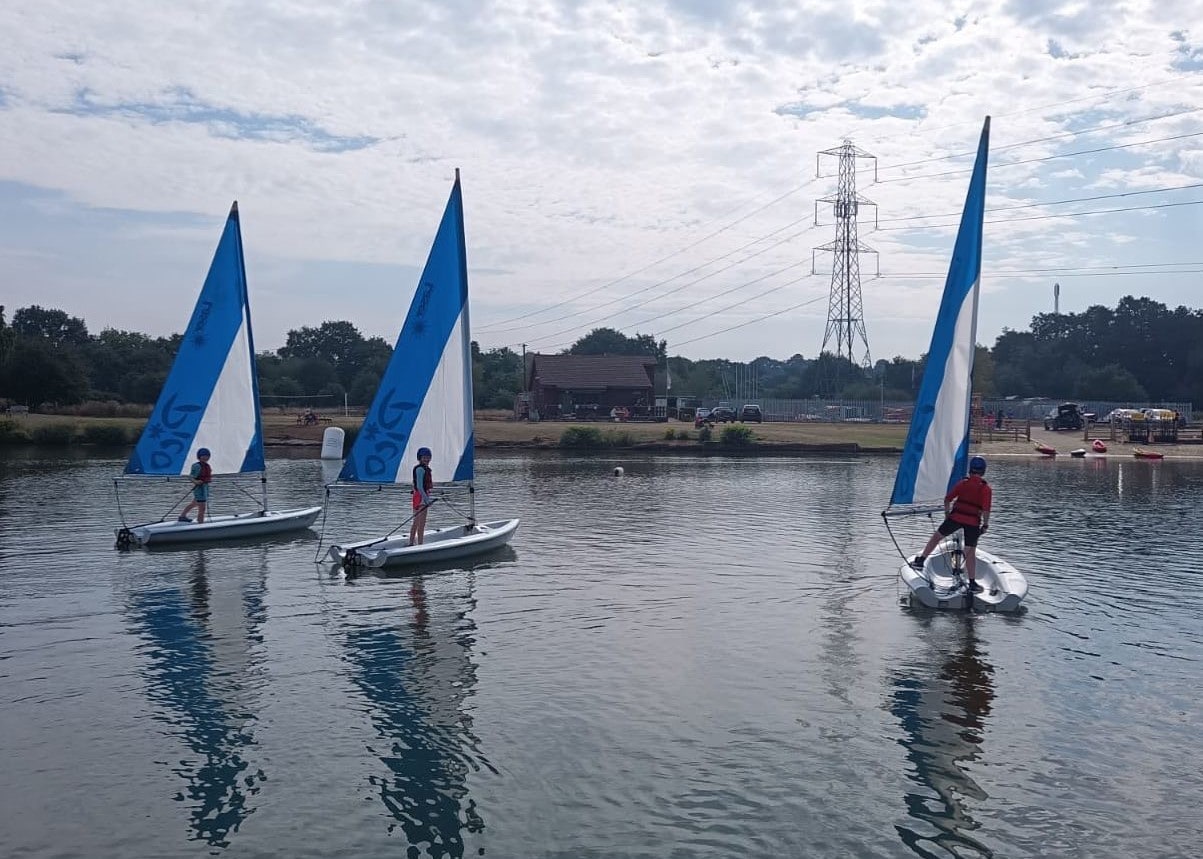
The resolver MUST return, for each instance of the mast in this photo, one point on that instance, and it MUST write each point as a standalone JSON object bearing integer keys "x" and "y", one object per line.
{"x": 250, "y": 340}
{"x": 467, "y": 338}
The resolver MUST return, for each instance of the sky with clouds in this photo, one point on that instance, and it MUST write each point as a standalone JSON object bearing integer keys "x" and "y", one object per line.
{"x": 646, "y": 166}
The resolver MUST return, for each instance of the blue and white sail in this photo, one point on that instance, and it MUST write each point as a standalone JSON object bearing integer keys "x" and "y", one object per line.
{"x": 211, "y": 396}
{"x": 425, "y": 395}
{"x": 936, "y": 452}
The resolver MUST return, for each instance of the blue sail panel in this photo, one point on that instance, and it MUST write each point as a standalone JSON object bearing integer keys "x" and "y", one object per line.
{"x": 425, "y": 396}
{"x": 209, "y": 398}
{"x": 936, "y": 451}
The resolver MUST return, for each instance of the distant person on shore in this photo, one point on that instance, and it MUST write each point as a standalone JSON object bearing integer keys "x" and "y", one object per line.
{"x": 202, "y": 475}
{"x": 423, "y": 484}
{"x": 966, "y": 508}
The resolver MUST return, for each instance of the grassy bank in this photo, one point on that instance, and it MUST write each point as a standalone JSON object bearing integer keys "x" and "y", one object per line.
{"x": 491, "y": 431}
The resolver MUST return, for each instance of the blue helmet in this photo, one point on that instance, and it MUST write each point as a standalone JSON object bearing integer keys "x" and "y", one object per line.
{"x": 204, "y": 451}
{"x": 977, "y": 465}
{"x": 423, "y": 451}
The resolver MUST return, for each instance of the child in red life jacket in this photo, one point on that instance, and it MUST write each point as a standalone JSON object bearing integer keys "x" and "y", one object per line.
{"x": 423, "y": 483}
{"x": 202, "y": 475}
{"x": 967, "y": 508}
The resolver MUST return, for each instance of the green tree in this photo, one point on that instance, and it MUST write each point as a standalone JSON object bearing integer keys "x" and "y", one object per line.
{"x": 609, "y": 341}
{"x": 37, "y": 373}
{"x": 53, "y": 326}
{"x": 8, "y": 338}
{"x": 363, "y": 387}
{"x": 1109, "y": 382}
{"x": 983, "y": 372}
{"x": 337, "y": 344}
{"x": 127, "y": 365}
{"x": 496, "y": 377}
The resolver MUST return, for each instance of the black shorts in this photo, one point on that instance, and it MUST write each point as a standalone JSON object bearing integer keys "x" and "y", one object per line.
{"x": 972, "y": 532}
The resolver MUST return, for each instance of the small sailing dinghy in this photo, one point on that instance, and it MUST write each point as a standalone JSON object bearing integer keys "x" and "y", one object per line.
{"x": 1078, "y": 453}
{"x": 210, "y": 399}
{"x": 425, "y": 400}
{"x": 936, "y": 452}
{"x": 1141, "y": 453}
{"x": 1043, "y": 449}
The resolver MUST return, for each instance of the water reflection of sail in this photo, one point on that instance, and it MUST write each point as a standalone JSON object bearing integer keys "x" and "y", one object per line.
{"x": 202, "y": 656}
{"x": 415, "y": 675}
{"x": 943, "y": 718}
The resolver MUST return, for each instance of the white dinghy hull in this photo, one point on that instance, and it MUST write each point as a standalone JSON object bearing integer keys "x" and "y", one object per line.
{"x": 257, "y": 524}
{"x": 442, "y": 544}
{"x": 939, "y": 586}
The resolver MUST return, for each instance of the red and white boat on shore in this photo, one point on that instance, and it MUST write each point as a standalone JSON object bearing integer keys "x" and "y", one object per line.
{"x": 1098, "y": 446}
{"x": 1141, "y": 453}
{"x": 1044, "y": 449}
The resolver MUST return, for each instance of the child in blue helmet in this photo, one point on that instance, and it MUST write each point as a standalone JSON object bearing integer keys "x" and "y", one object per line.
{"x": 423, "y": 484}
{"x": 202, "y": 475}
{"x": 967, "y": 508}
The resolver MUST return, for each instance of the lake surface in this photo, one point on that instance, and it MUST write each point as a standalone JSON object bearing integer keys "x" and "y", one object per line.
{"x": 704, "y": 657}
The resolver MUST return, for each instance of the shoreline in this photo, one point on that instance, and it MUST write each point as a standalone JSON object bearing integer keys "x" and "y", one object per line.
{"x": 499, "y": 434}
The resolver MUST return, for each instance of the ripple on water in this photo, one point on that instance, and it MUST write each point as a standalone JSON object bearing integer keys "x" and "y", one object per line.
{"x": 701, "y": 658}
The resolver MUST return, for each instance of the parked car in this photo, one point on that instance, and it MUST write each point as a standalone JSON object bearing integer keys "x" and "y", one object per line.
{"x": 1064, "y": 416}
{"x": 751, "y": 413}
{"x": 721, "y": 415}
{"x": 1117, "y": 416}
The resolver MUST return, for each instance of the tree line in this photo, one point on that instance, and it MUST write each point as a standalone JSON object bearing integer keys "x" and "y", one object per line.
{"x": 1140, "y": 351}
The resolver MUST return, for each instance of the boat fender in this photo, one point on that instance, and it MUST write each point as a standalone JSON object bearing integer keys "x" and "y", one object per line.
{"x": 125, "y": 538}
{"x": 618, "y": 471}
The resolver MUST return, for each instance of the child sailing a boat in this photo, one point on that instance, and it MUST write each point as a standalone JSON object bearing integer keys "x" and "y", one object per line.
{"x": 202, "y": 475}
{"x": 423, "y": 483}
{"x": 966, "y": 507}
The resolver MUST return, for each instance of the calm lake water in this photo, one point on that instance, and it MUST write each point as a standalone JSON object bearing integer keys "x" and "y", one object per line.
{"x": 705, "y": 657}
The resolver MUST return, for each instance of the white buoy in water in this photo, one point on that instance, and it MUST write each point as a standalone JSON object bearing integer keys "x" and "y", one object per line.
{"x": 618, "y": 471}
{"x": 332, "y": 443}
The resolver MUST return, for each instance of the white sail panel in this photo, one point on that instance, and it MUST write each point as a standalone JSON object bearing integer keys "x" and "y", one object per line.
{"x": 229, "y": 423}
{"x": 946, "y": 434}
{"x": 444, "y": 419}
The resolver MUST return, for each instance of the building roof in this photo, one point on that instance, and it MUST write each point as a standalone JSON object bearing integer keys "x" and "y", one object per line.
{"x": 593, "y": 371}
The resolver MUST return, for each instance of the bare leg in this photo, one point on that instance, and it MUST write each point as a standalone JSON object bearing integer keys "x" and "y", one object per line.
{"x": 932, "y": 543}
{"x": 200, "y": 511}
{"x": 419, "y": 527}
{"x": 184, "y": 513}
{"x": 971, "y": 562}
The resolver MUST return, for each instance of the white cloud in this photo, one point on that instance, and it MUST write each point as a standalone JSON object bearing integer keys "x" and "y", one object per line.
{"x": 594, "y": 138}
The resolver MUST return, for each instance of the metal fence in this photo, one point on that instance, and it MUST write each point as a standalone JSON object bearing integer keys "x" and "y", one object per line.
{"x": 899, "y": 411}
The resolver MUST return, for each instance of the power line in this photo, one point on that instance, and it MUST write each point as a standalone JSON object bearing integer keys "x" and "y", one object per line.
{"x": 650, "y": 265}
{"x": 797, "y": 306}
{"x": 637, "y": 325}
{"x": 1149, "y": 207}
{"x": 1104, "y": 96}
{"x": 674, "y": 290}
{"x": 1190, "y": 187}
{"x": 652, "y": 286}
{"x": 1099, "y": 267}
{"x": 929, "y": 226}
{"x": 1048, "y": 157}
{"x": 493, "y": 327}
{"x": 736, "y": 304}
{"x": 1065, "y": 134}
{"x": 1062, "y": 274}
